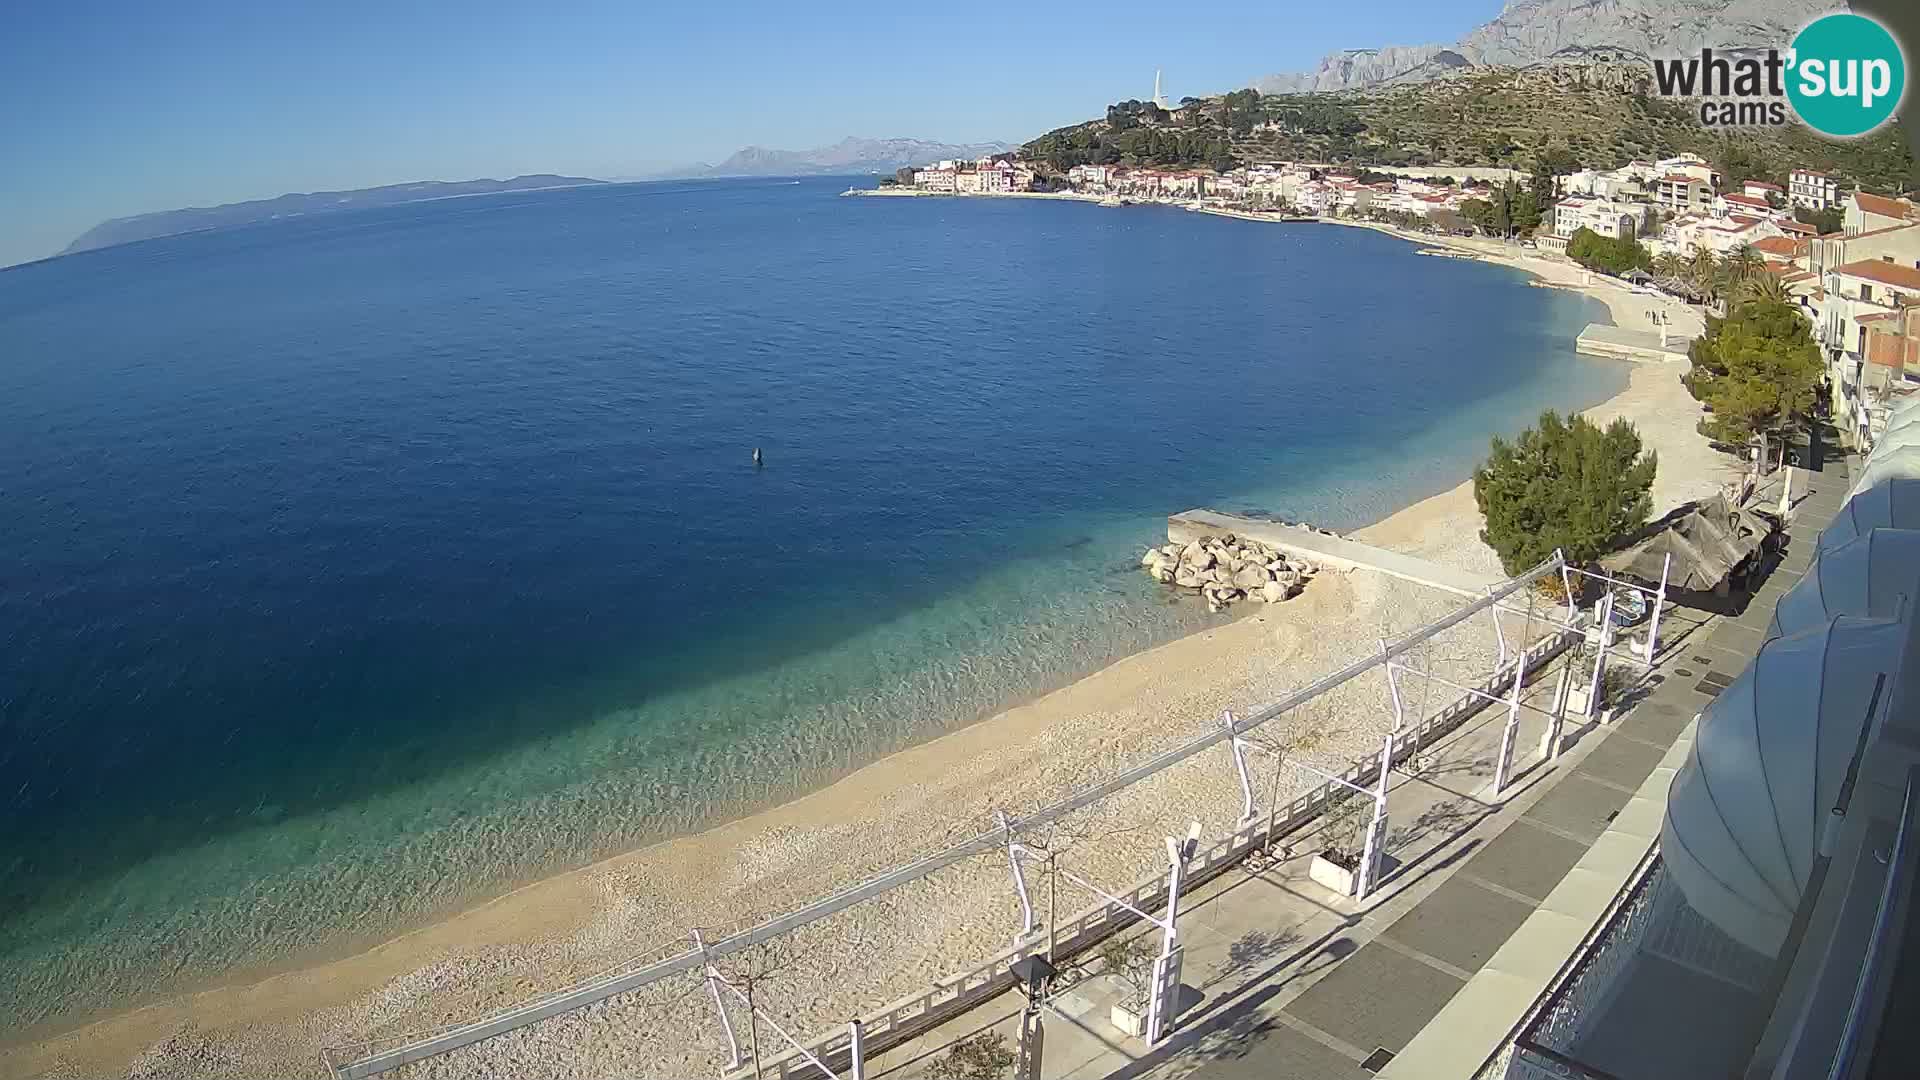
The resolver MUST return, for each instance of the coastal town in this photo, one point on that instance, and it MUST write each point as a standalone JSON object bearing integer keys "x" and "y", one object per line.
{"x": 1847, "y": 259}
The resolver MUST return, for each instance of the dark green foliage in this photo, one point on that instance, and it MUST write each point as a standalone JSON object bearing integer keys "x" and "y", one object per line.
{"x": 1756, "y": 369}
{"x": 985, "y": 1056}
{"x": 1507, "y": 210}
{"x": 1565, "y": 485}
{"x": 1607, "y": 254}
{"x": 1830, "y": 220}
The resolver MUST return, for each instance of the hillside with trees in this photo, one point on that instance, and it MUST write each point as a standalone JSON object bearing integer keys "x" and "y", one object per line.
{"x": 1590, "y": 116}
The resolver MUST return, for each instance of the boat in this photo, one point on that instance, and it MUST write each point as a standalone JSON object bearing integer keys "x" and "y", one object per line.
{"x": 1113, "y": 200}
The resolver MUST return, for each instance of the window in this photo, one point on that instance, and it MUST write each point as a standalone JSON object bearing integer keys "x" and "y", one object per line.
{"x": 1866, "y": 291}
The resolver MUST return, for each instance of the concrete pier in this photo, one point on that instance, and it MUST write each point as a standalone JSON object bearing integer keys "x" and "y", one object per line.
{"x": 1335, "y": 552}
{"x": 1619, "y": 343}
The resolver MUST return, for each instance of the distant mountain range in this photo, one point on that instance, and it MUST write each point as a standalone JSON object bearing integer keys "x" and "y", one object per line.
{"x": 849, "y": 155}
{"x": 173, "y": 222}
{"x": 1535, "y": 31}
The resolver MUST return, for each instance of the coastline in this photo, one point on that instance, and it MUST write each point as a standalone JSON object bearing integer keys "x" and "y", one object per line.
{"x": 568, "y": 925}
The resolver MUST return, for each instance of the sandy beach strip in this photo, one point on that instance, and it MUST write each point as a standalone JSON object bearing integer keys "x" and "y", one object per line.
{"x": 562, "y": 928}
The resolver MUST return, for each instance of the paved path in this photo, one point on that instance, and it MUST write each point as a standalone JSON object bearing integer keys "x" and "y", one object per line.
{"x": 1288, "y": 981}
{"x": 1334, "y": 551}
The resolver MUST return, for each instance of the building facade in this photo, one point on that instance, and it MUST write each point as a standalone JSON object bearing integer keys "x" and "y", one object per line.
{"x": 1815, "y": 190}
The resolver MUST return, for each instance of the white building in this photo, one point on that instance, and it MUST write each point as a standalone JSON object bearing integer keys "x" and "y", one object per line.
{"x": 1689, "y": 165}
{"x": 1604, "y": 216}
{"x": 1857, "y": 295}
{"x": 936, "y": 178}
{"x": 1812, "y": 189}
{"x": 1866, "y": 212}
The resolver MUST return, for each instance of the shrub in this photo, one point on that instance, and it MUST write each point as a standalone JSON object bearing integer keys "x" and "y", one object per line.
{"x": 1564, "y": 484}
{"x": 980, "y": 1057}
{"x": 1607, "y": 254}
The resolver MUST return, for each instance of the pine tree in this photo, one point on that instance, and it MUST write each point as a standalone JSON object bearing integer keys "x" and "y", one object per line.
{"x": 1565, "y": 485}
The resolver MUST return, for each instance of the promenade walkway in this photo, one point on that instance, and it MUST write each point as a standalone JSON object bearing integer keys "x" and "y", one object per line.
{"x": 1337, "y": 552}
{"x": 1287, "y": 980}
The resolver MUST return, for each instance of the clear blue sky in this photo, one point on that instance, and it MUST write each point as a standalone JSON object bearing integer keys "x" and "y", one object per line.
{"x": 122, "y": 108}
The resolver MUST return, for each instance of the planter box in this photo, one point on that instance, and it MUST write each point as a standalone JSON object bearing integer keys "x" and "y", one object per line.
{"x": 1128, "y": 1022}
{"x": 1331, "y": 874}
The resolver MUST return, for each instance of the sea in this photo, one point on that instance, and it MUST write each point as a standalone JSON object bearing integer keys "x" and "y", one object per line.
{"x": 357, "y": 567}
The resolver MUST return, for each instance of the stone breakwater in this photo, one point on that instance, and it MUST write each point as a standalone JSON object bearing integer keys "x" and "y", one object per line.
{"x": 1227, "y": 569}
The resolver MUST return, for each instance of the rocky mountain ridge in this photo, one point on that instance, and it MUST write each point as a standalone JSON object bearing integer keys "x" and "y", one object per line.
{"x": 849, "y": 155}
{"x": 1529, "y": 32}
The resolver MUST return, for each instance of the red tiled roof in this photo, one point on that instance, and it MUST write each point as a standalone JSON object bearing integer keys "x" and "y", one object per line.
{"x": 1800, "y": 227}
{"x": 1880, "y": 317}
{"x": 1886, "y": 273}
{"x": 1783, "y": 246}
{"x": 1763, "y": 185}
{"x": 1754, "y": 201}
{"x": 1883, "y": 206}
{"x": 1680, "y": 178}
{"x": 1809, "y": 172}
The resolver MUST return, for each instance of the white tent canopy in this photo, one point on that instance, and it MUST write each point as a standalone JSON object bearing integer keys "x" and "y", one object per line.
{"x": 1869, "y": 575}
{"x": 1746, "y": 811}
{"x": 1892, "y": 505}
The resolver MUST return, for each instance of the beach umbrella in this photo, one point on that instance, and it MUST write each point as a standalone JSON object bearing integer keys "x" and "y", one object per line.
{"x": 1870, "y": 575}
{"x": 1746, "y": 812}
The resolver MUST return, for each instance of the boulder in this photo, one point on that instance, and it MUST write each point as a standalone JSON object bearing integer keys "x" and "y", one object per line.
{"x": 1152, "y": 556}
{"x": 1162, "y": 573}
{"x": 1250, "y": 576}
{"x": 1193, "y": 552}
{"x": 1273, "y": 592}
{"x": 1185, "y": 579}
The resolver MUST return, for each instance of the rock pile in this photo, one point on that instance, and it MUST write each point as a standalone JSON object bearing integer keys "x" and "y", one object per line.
{"x": 1226, "y": 568}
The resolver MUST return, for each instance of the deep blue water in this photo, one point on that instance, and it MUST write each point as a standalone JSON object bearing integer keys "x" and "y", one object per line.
{"x": 358, "y": 565}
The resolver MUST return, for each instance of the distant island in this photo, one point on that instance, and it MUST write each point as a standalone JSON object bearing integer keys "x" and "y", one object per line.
{"x": 194, "y": 219}
{"x": 849, "y": 155}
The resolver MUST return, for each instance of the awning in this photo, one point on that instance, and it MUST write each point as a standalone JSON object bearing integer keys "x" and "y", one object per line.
{"x": 1746, "y": 812}
{"x": 1871, "y": 575}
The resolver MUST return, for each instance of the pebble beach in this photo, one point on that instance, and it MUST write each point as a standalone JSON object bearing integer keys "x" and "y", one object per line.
{"x": 554, "y": 931}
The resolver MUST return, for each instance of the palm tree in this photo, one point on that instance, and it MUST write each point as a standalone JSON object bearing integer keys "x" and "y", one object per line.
{"x": 1669, "y": 265}
{"x": 1703, "y": 269}
{"x": 1742, "y": 263}
{"x": 1765, "y": 288}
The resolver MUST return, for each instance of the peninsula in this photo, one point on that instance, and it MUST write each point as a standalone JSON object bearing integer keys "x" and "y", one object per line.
{"x": 125, "y": 230}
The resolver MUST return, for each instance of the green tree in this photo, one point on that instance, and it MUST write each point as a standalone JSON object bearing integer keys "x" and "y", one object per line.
{"x": 1756, "y": 369}
{"x": 1607, "y": 254}
{"x": 1481, "y": 213}
{"x": 1565, "y": 485}
{"x": 980, "y": 1057}
{"x": 1703, "y": 269}
{"x": 1830, "y": 220}
{"x": 1740, "y": 265}
{"x": 1669, "y": 265}
{"x": 1764, "y": 288}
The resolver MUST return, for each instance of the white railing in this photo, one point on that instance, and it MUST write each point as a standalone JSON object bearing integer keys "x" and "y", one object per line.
{"x": 379, "y": 1055}
{"x": 913, "y": 1016}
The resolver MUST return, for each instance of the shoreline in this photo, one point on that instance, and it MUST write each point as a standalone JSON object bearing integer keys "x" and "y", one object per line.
{"x": 551, "y": 930}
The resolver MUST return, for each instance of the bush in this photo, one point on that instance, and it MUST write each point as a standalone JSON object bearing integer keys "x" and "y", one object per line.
{"x": 1607, "y": 254}
{"x": 981, "y": 1057}
{"x": 1564, "y": 484}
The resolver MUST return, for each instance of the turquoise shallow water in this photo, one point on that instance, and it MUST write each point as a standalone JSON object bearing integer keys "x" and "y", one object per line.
{"x": 360, "y": 564}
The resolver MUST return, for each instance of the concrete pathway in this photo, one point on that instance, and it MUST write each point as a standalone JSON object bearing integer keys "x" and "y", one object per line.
{"x": 1288, "y": 980}
{"x": 1333, "y": 551}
